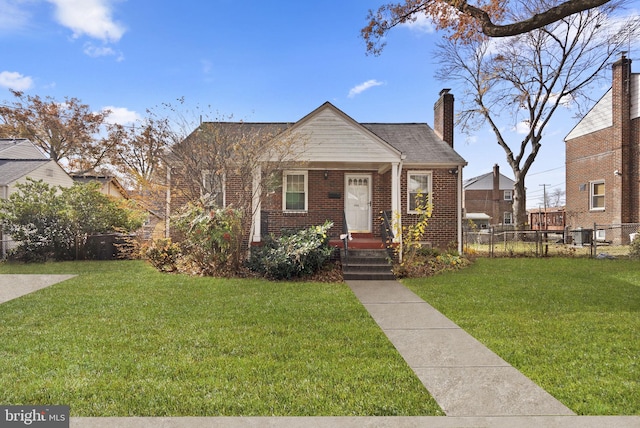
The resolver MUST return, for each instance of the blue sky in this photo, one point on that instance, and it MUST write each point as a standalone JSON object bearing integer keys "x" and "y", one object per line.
{"x": 255, "y": 60}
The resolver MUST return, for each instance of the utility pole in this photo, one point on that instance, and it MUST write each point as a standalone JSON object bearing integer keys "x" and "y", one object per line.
{"x": 546, "y": 224}
{"x": 544, "y": 190}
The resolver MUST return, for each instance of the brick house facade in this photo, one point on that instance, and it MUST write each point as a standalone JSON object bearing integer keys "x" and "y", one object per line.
{"x": 602, "y": 158}
{"x": 355, "y": 171}
{"x": 490, "y": 194}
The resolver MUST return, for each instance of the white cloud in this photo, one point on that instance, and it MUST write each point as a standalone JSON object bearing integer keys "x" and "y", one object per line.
{"x": 99, "y": 51}
{"x": 13, "y": 16}
{"x": 363, "y": 87}
{"x": 422, "y": 24}
{"x": 88, "y": 17}
{"x": 14, "y": 80}
{"x": 121, "y": 115}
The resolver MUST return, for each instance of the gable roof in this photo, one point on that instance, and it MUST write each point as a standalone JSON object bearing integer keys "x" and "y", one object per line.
{"x": 328, "y": 128}
{"x": 601, "y": 114}
{"x": 104, "y": 180}
{"x": 485, "y": 182}
{"x": 19, "y": 148}
{"x": 335, "y": 136}
{"x": 14, "y": 169}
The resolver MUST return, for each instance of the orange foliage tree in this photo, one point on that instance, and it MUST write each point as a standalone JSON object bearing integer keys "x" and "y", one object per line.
{"x": 469, "y": 20}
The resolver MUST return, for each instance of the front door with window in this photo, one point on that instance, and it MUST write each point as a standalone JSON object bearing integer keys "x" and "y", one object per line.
{"x": 357, "y": 202}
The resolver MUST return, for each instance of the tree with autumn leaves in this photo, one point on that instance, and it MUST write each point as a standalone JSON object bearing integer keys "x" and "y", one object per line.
{"x": 68, "y": 132}
{"x": 466, "y": 20}
{"x": 547, "y": 61}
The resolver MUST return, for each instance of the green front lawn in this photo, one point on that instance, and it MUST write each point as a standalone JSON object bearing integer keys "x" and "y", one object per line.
{"x": 122, "y": 339}
{"x": 571, "y": 325}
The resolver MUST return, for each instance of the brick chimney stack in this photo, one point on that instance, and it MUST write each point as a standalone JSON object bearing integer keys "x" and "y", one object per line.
{"x": 496, "y": 194}
{"x": 443, "y": 116}
{"x": 625, "y": 155}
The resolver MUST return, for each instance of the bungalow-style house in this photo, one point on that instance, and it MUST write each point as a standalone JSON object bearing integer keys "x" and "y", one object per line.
{"x": 19, "y": 160}
{"x": 603, "y": 160}
{"x": 109, "y": 185}
{"x": 350, "y": 173}
{"x": 488, "y": 199}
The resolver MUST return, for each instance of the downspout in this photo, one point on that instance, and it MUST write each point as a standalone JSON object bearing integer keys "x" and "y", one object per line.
{"x": 398, "y": 231}
{"x": 4, "y": 194}
{"x": 460, "y": 194}
{"x": 167, "y": 206}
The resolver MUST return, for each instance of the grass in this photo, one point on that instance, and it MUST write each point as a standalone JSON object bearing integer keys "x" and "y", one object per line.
{"x": 572, "y": 325}
{"x": 121, "y": 339}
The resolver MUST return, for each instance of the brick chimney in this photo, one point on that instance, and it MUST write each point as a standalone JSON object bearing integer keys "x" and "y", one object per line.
{"x": 496, "y": 194}
{"x": 621, "y": 90}
{"x": 624, "y": 153}
{"x": 443, "y": 116}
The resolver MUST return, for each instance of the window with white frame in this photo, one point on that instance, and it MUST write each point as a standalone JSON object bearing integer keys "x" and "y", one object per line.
{"x": 596, "y": 195}
{"x": 508, "y": 195}
{"x": 294, "y": 190}
{"x": 508, "y": 218}
{"x": 418, "y": 189}
{"x": 213, "y": 188}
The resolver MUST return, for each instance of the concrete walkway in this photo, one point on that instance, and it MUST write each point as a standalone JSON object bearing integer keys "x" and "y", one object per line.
{"x": 14, "y": 286}
{"x": 463, "y": 376}
{"x": 473, "y": 386}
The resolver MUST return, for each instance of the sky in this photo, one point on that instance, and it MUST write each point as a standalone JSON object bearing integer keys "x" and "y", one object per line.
{"x": 256, "y": 61}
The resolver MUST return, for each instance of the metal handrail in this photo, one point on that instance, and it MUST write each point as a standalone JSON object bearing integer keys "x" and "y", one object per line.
{"x": 386, "y": 231}
{"x": 345, "y": 237}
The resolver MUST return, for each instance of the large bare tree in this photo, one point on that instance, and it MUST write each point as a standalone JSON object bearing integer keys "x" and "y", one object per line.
{"x": 68, "y": 132}
{"x": 469, "y": 20}
{"x": 525, "y": 79}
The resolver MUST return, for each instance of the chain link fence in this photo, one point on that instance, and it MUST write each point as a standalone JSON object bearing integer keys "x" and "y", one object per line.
{"x": 611, "y": 240}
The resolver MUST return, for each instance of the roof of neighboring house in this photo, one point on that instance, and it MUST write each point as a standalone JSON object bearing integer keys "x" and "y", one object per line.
{"x": 600, "y": 115}
{"x": 19, "y": 148}
{"x": 102, "y": 179}
{"x": 14, "y": 169}
{"x": 477, "y": 216}
{"x": 485, "y": 182}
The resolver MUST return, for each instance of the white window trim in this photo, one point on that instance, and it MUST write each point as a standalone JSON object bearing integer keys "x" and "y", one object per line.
{"x": 306, "y": 190}
{"x": 510, "y": 193}
{"x": 509, "y": 215}
{"x": 429, "y": 190}
{"x": 591, "y": 195}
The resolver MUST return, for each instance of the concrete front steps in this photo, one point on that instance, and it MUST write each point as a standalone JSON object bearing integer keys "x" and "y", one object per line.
{"x": 366, "y": 264}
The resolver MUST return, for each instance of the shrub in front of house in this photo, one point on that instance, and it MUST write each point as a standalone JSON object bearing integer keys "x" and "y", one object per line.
{"x": 52, "y": 222}
{"x": 293, "y": 255}
{"x": 212, "y": 243}
{"x": 163, "y": 254}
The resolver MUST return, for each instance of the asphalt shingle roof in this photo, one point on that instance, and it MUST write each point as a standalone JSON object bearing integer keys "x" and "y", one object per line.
{"x": 13, "y": 169}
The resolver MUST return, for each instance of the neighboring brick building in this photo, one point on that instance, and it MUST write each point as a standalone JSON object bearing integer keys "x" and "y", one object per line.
{"x": 602, "y": 159}
{"x": 490, "y": 194}
{"x": 354, "y": 171}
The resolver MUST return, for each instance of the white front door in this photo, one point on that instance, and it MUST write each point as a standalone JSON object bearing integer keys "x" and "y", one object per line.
{"x": 358, "y": 202}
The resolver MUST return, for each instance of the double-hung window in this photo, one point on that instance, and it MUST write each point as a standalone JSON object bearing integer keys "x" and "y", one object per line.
{"x": 596, "y": 195}
{"x": 508, "y": 195}
{"x": 508, "y": 218}
{"x": 418, "y": 190}
{"x": 213, "y": 188}
{"x": 295, "y": 191}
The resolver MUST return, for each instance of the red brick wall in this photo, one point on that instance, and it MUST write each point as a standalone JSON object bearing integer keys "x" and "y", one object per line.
{"x": 597, "y": 155}
{"x": 442, "y": 226}
{"x": 481, "y": 201}
{"x": 326, "y": 202}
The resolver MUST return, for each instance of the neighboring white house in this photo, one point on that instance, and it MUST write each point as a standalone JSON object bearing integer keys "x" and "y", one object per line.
{"x": 19, "y": 160}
